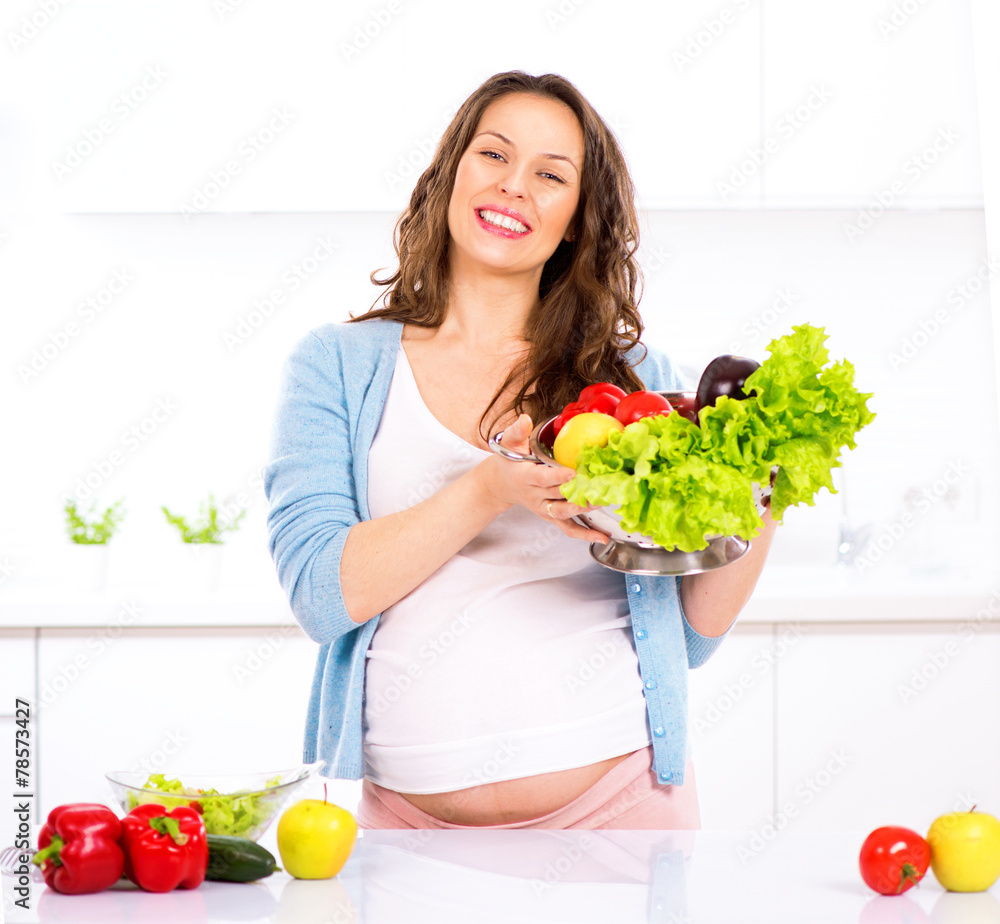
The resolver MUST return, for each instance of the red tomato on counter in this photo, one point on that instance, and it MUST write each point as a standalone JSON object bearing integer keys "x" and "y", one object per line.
{"x": 894, "y": 859}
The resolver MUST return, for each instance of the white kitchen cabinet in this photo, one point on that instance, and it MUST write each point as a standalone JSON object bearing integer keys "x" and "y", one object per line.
{"x": 731, "y": 726}
{"x": 868, "y": 100}
{"x": 887, "y": 725}
{"x": 233, "y": 106}
{"x": 222, "y": 700}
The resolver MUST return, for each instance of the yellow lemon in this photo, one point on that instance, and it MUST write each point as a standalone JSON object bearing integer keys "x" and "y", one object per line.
{"x": 315, "y": 839}
{"x": 588, "y": 429}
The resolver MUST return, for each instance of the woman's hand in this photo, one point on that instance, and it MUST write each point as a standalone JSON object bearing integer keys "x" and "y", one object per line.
{"x": 534, "y": 487}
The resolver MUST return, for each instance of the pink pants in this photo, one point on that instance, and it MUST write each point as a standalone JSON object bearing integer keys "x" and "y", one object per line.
{"x": 628, "y": 796}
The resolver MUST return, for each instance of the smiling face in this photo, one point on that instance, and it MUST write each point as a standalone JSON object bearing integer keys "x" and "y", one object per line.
{"x": 517, "y": 185}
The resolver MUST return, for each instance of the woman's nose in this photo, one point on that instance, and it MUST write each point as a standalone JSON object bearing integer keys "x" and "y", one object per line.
{"x": 512, "y": 185}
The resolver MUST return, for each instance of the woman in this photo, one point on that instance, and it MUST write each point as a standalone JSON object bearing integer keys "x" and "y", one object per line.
{"x": 477, "y": 667}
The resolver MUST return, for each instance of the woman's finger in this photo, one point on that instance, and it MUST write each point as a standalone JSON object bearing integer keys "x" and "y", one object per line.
{"x": 559, "y": 509}
{"x": 516, "y": 435}
{"x": 576, "y": 531}
{"x": 561, "y": 512}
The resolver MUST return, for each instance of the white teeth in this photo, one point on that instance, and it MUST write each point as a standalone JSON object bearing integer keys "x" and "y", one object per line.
{"x": 503, "y": 221}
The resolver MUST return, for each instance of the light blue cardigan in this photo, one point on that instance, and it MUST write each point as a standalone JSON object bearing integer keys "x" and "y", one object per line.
{"x": 334, "y": 387}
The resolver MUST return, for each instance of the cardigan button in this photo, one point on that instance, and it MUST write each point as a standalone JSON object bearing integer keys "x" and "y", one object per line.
{"x": 659, "y": 731}
{"x": 640, "y": 633}
{"x": 636, "y": 589}
{"x": 650, "y": 684}
{"x": 665, "y": 776}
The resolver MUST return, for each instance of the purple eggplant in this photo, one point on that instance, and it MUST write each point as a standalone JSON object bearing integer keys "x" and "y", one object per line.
{"x": 724, "y": 375}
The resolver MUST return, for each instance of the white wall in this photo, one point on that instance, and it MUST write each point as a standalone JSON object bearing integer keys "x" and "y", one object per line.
{"x": 715, "y": 283}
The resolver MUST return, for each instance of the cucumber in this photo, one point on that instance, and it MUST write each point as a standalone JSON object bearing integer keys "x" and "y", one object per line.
{"x": 237, "y": 859}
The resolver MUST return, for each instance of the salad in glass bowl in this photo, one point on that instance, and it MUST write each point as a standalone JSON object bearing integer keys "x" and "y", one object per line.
{"x": 235, "y": 805}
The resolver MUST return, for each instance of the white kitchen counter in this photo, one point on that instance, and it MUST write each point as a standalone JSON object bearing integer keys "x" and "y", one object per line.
{"x": 610, "y": 877}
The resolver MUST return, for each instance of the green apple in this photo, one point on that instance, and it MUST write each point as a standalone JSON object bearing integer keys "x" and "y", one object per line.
{"x": 315, "y": 839}
{"x": 965, "y": 850}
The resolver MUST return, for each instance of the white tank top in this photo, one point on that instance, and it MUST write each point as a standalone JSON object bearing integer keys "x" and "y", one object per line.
{"x": 512, "y": 659}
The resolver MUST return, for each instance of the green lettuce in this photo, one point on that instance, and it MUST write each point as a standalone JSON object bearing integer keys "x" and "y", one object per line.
{"x": 234, "y": 814}
{"x": 679, "y": 483}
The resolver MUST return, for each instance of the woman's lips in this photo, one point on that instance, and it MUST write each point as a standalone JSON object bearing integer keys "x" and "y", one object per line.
{"x": 498, "y": 229}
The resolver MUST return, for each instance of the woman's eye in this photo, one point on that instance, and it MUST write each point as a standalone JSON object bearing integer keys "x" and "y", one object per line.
{"x": 493, "y": 155}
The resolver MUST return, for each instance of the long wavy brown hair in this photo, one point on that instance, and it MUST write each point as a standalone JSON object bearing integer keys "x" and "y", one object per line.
{"x": 586, "y": 318}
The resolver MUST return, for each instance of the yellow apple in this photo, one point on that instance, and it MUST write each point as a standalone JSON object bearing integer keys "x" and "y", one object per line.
{"x": 965, "y": 850}
{"x": 315, "y": 838}
{"x": 587, "y": 429}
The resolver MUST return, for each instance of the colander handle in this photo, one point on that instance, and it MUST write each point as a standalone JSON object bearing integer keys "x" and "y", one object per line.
{"x": 513, "y": 455}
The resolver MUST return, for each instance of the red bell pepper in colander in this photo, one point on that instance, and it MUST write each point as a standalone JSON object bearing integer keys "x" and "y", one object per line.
{"x": 164, "y": 850}
{"x": 78, "y": 848}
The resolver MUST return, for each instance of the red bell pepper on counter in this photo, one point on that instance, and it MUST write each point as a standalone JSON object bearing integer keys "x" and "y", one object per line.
{"x": 164, "y": 850}
{"x": 78, "y": 848}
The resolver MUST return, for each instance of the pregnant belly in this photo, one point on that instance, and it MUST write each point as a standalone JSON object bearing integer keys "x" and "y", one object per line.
{"x": 509, "y": 801}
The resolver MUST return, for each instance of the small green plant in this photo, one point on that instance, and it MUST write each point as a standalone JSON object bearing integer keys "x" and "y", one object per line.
{"x": 91, "y": 528}
{"x": 209, "y": 528}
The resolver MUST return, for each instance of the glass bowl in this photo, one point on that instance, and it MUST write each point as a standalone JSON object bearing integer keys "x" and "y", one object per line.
{"x": 635, "y": 553}
{"x": 242, "y": 805}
